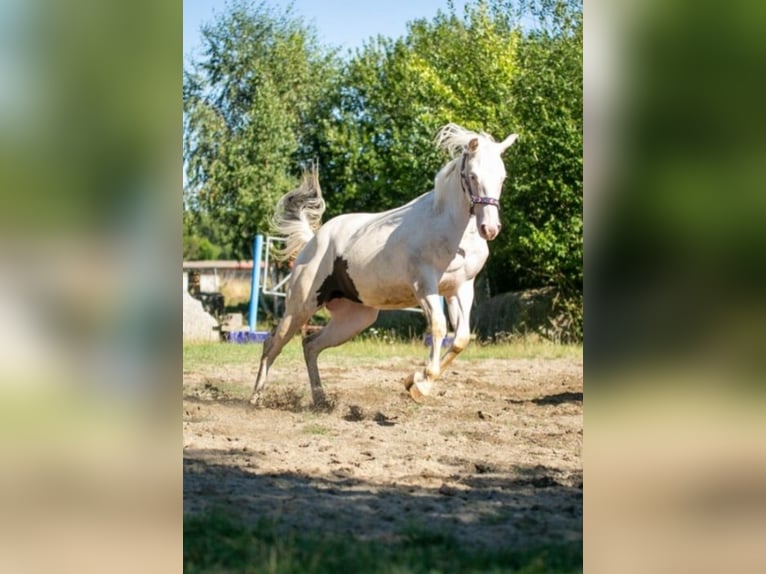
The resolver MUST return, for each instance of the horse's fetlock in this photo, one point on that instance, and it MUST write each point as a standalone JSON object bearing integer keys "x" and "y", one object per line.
{"x": 431, "y": 374}
{"x": 459, "y": 344}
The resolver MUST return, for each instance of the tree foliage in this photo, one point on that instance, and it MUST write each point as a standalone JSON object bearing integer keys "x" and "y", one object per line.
{"x": 376, "y": 148}
{"x": 545, "y": 186}
{"x": 247, "y": 102}
{"x": 543, "y": 241}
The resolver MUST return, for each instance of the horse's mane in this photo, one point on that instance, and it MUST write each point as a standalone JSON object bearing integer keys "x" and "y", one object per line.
{"x": 454, "y": 138}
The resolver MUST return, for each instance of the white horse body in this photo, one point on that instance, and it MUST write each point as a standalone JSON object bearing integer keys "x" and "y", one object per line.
{"x": 375, "y": 244}
{"x": 356, "y": 264}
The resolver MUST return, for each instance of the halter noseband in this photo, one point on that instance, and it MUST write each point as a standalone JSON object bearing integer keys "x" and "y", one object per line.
{"x": 465, "y": 183}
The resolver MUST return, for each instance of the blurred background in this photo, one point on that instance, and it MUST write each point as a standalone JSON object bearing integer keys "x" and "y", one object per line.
{"x": 674, "y": 292}
{"x": 90, "y": 236}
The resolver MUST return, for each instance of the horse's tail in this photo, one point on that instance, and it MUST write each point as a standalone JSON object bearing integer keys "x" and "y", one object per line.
{"x": 299, "y": 214}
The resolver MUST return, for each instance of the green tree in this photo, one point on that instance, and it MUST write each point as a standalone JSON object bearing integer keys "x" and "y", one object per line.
{"x": 247, "y": 103}
{"x": 375, "y": 148}
{"x": 544, "y": 241}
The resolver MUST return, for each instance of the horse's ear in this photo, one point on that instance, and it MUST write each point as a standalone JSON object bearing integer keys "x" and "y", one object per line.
{"x": 473, "y": 145}
{"x": 508, "y": 142}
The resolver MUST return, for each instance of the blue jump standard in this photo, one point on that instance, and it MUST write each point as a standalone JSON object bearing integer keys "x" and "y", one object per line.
{"x": 246, "y": 336}
{"x": 260, "y": 336}
{"x": 446, "y": 342}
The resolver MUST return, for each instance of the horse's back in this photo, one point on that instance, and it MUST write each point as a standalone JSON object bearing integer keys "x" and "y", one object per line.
{"x": 357, "y": 235}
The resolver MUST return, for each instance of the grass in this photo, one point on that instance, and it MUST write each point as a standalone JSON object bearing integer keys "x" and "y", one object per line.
{"x": 371, "y": 348}
{"x": 219, "y": 542}
{"x": 316, "y": 429}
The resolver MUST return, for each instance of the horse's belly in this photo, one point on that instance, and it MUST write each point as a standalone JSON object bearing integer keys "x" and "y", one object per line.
{"x": 388, "y": 296}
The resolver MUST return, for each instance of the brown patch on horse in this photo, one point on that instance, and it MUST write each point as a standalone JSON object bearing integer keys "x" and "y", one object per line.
{"x": 338, "y": 284}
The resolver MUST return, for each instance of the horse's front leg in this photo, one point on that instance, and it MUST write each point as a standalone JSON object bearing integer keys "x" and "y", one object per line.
{"x": 420, "y": 384}
{"x": 459, "y": 307}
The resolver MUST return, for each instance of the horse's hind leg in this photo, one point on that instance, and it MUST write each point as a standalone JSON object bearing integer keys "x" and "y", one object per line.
{"x": 285, "y": 330}
{"x": 347, "y": 319}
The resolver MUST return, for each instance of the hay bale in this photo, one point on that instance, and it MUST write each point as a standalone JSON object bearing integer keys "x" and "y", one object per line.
{"x": 514, "y": 313}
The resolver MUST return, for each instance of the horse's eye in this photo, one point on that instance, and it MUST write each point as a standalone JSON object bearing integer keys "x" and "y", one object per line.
{"x": 474, "y": 177}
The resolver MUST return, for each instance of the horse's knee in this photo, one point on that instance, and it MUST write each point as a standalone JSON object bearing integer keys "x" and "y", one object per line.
{"x": 439, "y": 329}
{"x": 311, "y": 333}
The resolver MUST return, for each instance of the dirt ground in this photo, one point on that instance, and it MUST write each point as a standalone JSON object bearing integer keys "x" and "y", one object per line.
{"x": 493, "y": 457}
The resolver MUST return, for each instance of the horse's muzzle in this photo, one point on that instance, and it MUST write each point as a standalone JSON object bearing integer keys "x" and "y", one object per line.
{"x": 489, "y": 232}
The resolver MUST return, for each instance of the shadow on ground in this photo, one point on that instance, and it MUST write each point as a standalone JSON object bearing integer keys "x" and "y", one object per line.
{"x": 516, "y": 508}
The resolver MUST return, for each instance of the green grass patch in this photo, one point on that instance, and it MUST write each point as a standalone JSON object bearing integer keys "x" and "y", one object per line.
{"x": 530, "y": 347}
{"x": 365, "y": 347}
{"x": 316, "y": 429}
{"x": 210, "y": 354}
{"x": 219, "y": 542}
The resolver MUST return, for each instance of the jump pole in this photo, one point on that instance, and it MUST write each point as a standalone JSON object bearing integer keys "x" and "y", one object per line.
{"x": 255, "y": 281}
{"x": 251, "y": 335}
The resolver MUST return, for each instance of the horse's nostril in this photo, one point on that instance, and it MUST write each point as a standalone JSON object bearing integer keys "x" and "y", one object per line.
{"x": 489, "y": 232}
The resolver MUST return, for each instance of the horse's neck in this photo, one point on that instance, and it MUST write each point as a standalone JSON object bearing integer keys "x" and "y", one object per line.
{"x": 449, "y": 197}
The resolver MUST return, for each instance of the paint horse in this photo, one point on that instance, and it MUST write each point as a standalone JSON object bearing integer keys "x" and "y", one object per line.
{"x": 358, "y": 263}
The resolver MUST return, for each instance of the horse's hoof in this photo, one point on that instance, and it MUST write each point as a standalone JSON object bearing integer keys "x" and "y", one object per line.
{"x": 415, "y": 394}
{"x": 418, "y": 386}
{"x": 255, "y": 399}
{"x": 321, "y": 403}
{"x": 323, "y": 406}
{"x": 409, "y": 381}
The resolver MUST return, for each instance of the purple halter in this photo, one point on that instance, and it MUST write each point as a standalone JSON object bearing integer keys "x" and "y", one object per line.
{"x": 465, "y": 183}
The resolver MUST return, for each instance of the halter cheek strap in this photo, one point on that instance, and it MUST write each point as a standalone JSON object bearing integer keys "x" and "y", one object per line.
{"x": 465, "y": 183}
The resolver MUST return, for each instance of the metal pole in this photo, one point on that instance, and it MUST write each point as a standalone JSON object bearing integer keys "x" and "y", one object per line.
{"x": 255, "y": 281}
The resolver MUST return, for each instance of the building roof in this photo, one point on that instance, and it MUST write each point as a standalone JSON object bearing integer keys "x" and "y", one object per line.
{"x": 217, "y": 264}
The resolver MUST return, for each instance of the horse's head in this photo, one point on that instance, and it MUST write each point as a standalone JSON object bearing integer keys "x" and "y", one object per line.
{"x": 482, "y": 173}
